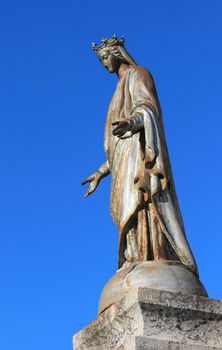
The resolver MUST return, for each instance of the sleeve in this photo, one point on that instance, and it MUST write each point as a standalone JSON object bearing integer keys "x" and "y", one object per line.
{"x": 145, "y": 108}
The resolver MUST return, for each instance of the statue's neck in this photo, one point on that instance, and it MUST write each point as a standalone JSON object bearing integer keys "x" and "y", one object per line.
{"x": 123, "y": 68}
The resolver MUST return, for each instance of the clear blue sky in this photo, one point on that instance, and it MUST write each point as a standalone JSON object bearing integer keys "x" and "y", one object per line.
{"x": 57, "y": 250}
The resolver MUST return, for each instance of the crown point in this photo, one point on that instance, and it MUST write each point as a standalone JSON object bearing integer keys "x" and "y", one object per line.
{"x": 108, "y": 42}
{"x": 94, "y": 46}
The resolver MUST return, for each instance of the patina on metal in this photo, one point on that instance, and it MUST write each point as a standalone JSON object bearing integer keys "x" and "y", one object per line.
{"x": 144, "y": 203}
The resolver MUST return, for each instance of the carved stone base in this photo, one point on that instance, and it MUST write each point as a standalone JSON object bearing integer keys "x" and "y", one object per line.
{"x": 155, "y": 320}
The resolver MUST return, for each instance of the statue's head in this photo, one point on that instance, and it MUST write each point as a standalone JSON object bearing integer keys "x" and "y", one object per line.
{"x": 112, "y": 53}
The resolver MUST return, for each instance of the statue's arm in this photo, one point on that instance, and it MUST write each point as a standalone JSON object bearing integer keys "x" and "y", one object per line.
{"x": 95, "y": 178}
{"x": 129, "y": 126}
{"x": 137, "y": 122}
{"x": 142, "y": 91}
{"x": 104, "y": 170}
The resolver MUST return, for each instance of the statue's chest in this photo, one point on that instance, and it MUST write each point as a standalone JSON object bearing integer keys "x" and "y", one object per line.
{"x": 118, "y": 105}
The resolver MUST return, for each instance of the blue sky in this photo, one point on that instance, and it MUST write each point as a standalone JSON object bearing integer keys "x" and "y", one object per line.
{"x": 57, "y": 250}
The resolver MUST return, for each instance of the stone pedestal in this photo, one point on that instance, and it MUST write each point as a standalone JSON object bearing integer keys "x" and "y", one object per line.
{"x": 148, "y": 319}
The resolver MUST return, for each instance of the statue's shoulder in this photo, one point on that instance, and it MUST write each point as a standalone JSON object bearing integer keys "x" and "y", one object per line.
{"x": 140, "y": 69}
{"x": 142, "y": 73}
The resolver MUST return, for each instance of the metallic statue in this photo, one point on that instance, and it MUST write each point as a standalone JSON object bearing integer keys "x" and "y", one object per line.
{"x": 144, "y": 206}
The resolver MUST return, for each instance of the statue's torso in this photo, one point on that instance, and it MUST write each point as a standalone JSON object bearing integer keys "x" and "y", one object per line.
{"x": 124, "y": 155}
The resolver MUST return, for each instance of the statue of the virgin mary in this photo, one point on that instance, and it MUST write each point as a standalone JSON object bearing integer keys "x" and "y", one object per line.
{"x": 144, "y": 204}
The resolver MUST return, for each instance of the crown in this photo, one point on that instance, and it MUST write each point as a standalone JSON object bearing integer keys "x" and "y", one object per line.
{"x": 109, "y": 42}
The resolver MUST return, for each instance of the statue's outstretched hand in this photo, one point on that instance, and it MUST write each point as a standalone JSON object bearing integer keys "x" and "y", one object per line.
{"x": 93, "y": 180}
{"x": 123, "y": 128}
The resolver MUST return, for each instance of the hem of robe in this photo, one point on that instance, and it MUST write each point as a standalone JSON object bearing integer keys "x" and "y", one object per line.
{"x": 189, "y": 262}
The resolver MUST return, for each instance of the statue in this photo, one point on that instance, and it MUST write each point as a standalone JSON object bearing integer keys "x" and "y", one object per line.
{"x": 144, "y": 204}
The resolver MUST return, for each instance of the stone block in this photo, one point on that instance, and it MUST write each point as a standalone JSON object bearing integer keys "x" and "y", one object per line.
{"x": 154, "y": 319}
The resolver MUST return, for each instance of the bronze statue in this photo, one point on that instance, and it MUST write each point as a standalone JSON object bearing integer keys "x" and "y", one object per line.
{"x": 144, "y": 204}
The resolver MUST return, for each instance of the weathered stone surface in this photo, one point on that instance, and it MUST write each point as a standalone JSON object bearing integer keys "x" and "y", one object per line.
{"x": 143, "y": 343}
{"x": 153, "y": 319}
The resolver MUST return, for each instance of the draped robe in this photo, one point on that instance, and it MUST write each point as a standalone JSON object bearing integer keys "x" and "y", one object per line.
{"x": 142, "y": 190}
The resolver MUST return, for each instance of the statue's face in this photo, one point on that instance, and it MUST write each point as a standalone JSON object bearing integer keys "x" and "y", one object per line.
{"x": 109, "y": 61}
